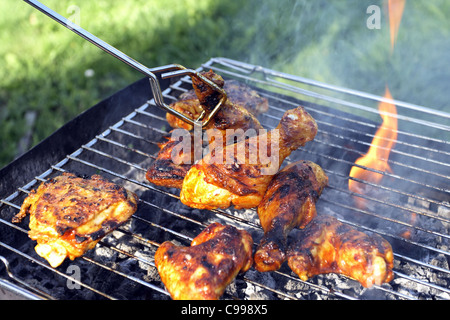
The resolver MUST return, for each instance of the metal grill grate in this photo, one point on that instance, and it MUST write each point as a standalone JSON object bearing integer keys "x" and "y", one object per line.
{"x": 410, "y": 208}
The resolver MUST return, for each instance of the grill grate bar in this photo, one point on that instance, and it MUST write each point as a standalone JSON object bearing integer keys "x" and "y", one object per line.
{"x": 396, "y": 237}
{"x": 406, "y": 209}
{"x": 127, "y": 276}
{"x": 277, "y": 292}
{"x": 133, "y": 135}
{"x": 387, "y": 174}
{"x": 427, "y": 265}
{"x": 41, "y": 264}
{"x": 118, "y": 144}
{"x": 317, "y": 287}
{"x": 107, "y": 155}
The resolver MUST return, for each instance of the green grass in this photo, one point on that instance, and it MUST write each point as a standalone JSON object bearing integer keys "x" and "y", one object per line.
{"x": 44, "y": 64}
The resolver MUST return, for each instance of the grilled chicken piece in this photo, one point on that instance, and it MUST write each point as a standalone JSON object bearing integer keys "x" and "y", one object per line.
{"x": 171, "y": 164}
{"x": 238, "y": 94}
{"x": 289, "y": 202}
{"x": 204, "y": 270}
{"x": 329, "y": 246}
{"x": 239, "y": 174}
{"x": 70, "y": 214}
{"x": 230, "y": 115}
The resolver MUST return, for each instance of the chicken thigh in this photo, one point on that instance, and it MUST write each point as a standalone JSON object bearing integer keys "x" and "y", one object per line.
{"x": 70, "y": 214}
{"x": 204, "y": 270}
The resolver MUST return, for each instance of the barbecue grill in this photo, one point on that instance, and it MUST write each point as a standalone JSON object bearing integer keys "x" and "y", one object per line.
{"x": 118, "y": 138}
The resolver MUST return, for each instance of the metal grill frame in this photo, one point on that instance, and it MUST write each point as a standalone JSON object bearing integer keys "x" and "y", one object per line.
{"x": 286, "y": 89}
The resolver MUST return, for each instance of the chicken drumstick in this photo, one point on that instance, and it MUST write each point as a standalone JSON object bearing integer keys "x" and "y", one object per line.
{"x": 289, "y": 202}
{"x": 239, "y": 173}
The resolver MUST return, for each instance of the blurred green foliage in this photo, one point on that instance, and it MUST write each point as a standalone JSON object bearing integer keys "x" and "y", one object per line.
{"x": 44, "y": 65}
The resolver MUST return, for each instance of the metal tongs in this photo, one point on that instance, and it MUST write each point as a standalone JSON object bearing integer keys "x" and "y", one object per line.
{"x": 202, "y": 120}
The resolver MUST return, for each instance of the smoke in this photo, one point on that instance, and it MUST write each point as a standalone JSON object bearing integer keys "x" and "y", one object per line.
{"x": 333, "y": 42}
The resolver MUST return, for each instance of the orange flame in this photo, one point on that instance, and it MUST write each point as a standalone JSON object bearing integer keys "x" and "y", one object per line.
{"x": 395, "y": 8}
{"x": 385, "y": 137}
{"x": 378, "y": 154}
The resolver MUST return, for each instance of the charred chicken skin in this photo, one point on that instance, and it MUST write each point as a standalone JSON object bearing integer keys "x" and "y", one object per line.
{"x": 70, "y": 214}
{"x": 204, "y": 270}
{"x": 171, "y": 164}
{"x": 329, "y": 246}
{"x": 238, "y": 174}
{"x": 239, "y": 96}
{"x": 289, "y": 202}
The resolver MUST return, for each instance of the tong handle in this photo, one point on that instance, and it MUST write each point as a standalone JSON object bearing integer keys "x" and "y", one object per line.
{"x": 154, "y": 83}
